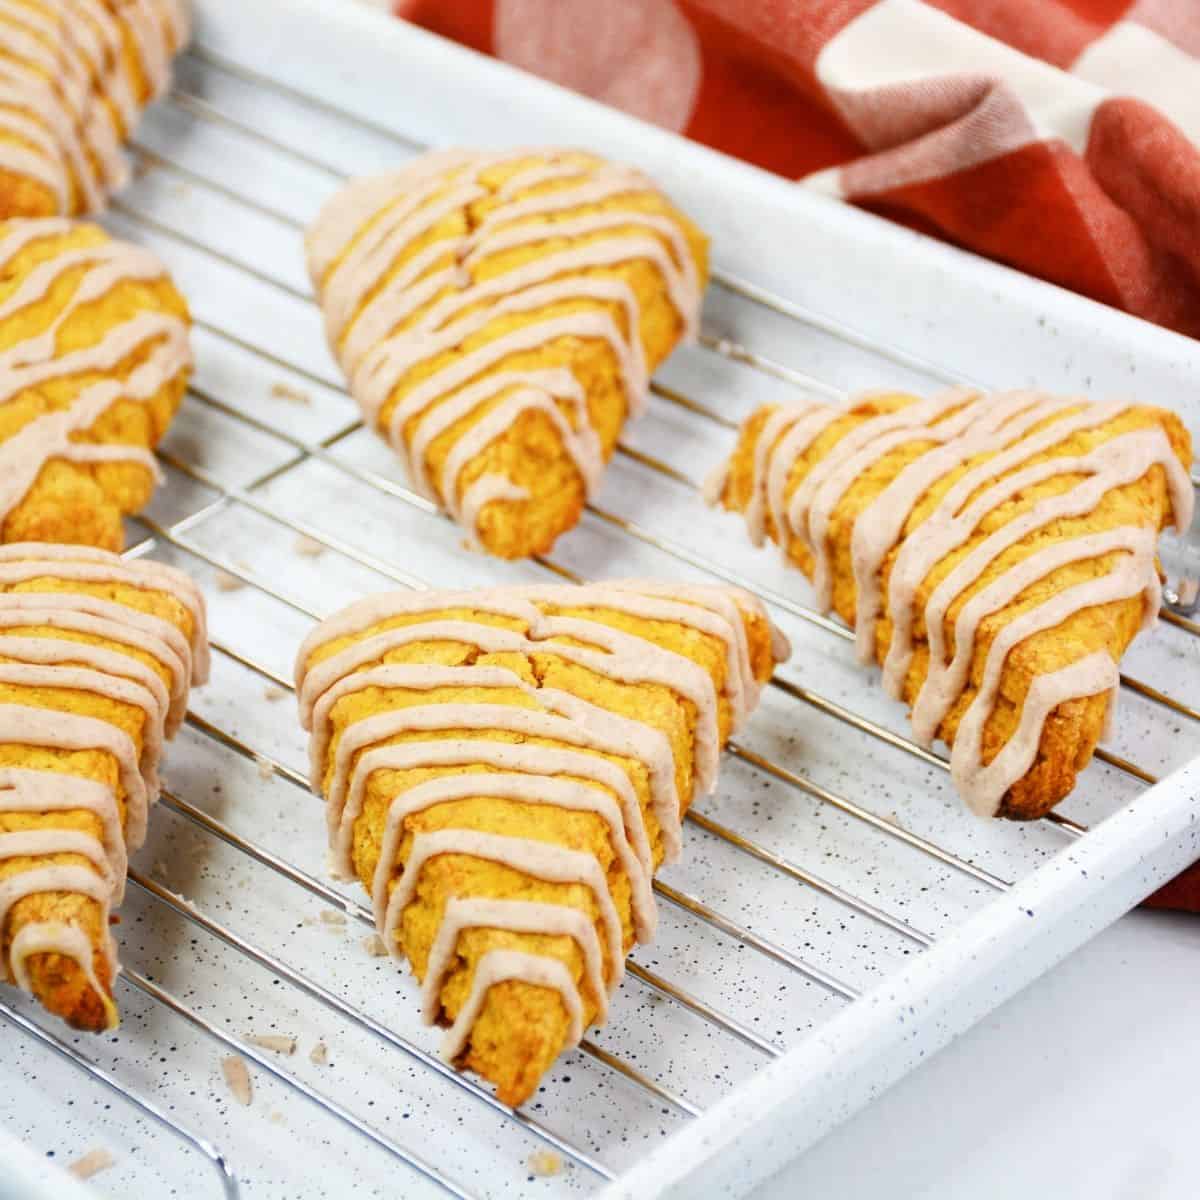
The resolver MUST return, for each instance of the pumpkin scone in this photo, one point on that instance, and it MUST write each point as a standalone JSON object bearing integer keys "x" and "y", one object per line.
{"x": 74, "y": 77}
{"x": 94, "y": 361}
{"x": 996, "y": 554}
{"x": 506, "y": 769}
{"x": 498, "y": 316}
{"x": 96, "y": 659}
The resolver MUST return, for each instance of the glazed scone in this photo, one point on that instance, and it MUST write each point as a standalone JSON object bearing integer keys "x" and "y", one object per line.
{"x": 506, "y": 769}
{"x": 498, "y": 317}
{"x": 74, "y": 76}
{"x": 96, "y": 659}
{"x": 995, "y": 554}
{"x": 94, "y": 361}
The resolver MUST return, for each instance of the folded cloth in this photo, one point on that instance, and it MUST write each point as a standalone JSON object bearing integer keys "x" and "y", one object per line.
{"x": 1057, "y": 136}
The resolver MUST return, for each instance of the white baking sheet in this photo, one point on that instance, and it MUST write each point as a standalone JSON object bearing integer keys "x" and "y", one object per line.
{"x": 241, "y": 165}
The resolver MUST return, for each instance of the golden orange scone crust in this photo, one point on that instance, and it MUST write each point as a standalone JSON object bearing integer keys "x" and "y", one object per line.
{"x": 506, "y": 769}
{"x": 96, "y": 658}
{"x": 94, "y": 361}
{"x": 497, "y": 316}
{"x": 74, "y": 76}
{"x": 1020, "y": 525}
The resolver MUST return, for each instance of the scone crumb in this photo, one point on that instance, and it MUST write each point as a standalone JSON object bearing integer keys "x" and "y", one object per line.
{"x": 265, "y": 769}
{"x": 228, "y": 583}
{"x": 331, "y": 916}
{"x": 237, "y": 1077}
{"x": 278, "y": 1042}
{"x": 319, "y": 1055}
{"x": 277, "y": 1118}
{"x": 309, "y": 547}
{"x": 92, "y": 1163}
{"x": 545, "y": 1163}
{"x": 272, "y": 693}
{"x": 375, "y": 947}
{"x": 284, "y": 391}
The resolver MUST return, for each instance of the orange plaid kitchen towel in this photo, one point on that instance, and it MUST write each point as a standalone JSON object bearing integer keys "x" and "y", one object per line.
{"x": 1058, "y": 136}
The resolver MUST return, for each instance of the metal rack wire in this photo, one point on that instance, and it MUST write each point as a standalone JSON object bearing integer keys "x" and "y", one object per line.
{"x": 179, "y": 535}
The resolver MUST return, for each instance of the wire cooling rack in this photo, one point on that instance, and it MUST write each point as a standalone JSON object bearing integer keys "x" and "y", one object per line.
{"x": 833, "y": 852}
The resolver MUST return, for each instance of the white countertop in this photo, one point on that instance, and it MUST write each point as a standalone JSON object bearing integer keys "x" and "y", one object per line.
{"x": 1083, "y": 1085}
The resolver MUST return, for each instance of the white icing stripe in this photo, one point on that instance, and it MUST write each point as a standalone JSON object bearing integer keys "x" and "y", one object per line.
{"x": 27, "y": 791}
{"x": 68, "y": 62}
{"x": 540, "y": 860}
{"x": 670, "y": 605}
{"x": 522, "y": 789}
{"x": 41, "y": 843}
{"x": 583, "y": 448}
{"x": 384, "y": 329}
{"x": 827, "y": 482}
{"x": 631, "y": 660}
{"x": 1003, "y": 436}
{"x": 52, "y": 729}
{"x": 63, "y": 610}
{"x": 44, "y": 651}
{"x": 49, "y": 663}
{"x": 35, "y": 359}
{"x": 55, "y": 937}
{"x": 1115, "y": 463}
{"x": 595, "y": 730}
{"x": 1136, "y": 574}
{"x": 508, "y": 756}
{"x": 497, "y": 966}
{"x": 413, "y": 676}
{"x": 79, "y": 881}
{"x": 513, "y": 916}
{"x": 983, "y": 426}
{"x": 623, "y": 658}
{"x": 983, "y": 787}
{"x": 561, "y": 385}
{"x": 948, "y": 527}
{"x": 486, "y": 489}
{"x": 24, "y": 561}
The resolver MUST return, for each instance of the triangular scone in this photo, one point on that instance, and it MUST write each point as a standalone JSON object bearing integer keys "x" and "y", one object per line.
{"x": 506, "y": 769}
{"x": 94, "y": 361}
{"x": 498, "y": 317}
{"x": 96, "y": 658}
{"x": 74, "y": 77}
{"x": 995, "y": 553}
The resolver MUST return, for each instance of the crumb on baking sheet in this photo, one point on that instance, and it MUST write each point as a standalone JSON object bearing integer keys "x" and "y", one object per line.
{"x": 545, "y": 1163}
{"x": 92, "y": 1163}
{"x": 272, "y": 693}
{"x": 278, "y": 1042}
{"x": 319, "y": 1055}
{"x": 227, "y": 582}
{"x": 265, "y": 767}
{"x": 237, "y": 1076}
{"x": 331, "y": 916}
{"x": 277, "y": 1118}
{"x": 285, "y": 391}
{"x": 308, "y": 547}
{"x": 375, "y": 947}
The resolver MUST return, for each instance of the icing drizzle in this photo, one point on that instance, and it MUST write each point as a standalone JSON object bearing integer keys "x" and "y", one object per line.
{"x": 1000, "y": 440}
{"x": 31, "y": 658}
{"x": 568, "y": 766}
{"x": 67, "y": 97}
{"x": 35, "y": 360}
{"x": 374, "y": 223}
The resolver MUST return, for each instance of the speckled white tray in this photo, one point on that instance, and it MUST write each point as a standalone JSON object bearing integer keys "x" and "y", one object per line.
{"x": 781, "y": 1052}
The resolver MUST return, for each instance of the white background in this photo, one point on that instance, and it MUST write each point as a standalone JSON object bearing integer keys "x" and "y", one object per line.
{"x": 1085, "y": 1084}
